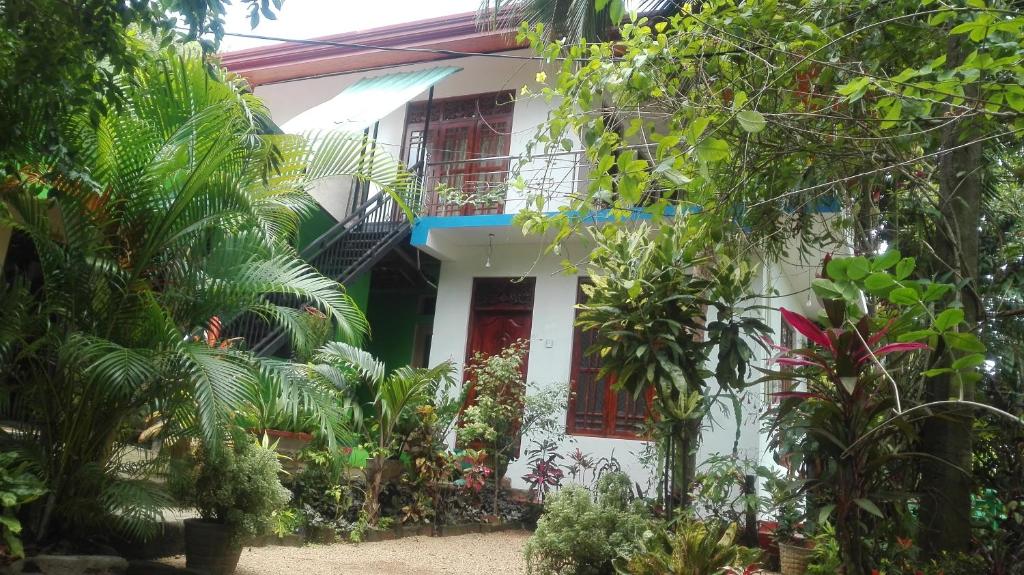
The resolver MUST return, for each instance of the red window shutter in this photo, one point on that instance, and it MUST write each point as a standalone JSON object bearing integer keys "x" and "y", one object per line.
{"x": 595, "y": 408}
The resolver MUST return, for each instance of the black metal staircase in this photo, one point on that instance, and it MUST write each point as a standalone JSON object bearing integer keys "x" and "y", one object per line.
{"x": 347, "y": 250}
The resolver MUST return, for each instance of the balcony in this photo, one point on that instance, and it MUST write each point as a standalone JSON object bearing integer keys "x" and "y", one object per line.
{"x": 499, "y": 184}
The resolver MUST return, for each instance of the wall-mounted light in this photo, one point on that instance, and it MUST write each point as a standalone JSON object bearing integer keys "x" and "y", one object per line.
{"x": 490, "y": 250}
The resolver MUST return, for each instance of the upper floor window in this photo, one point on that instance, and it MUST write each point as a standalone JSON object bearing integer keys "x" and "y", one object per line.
{"x": 594, "y": 407}
{"x": 467, "y": 147}
{"x": 787, "y": 339}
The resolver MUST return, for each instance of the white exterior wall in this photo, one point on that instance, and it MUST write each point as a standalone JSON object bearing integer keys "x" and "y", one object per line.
{"x": 464, "y": 254}
{"x": 551, "y": 336}
{"x": 550, "y": 360}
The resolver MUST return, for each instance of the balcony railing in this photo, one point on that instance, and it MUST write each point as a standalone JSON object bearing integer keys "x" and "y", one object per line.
{"x": 489, "y": 185}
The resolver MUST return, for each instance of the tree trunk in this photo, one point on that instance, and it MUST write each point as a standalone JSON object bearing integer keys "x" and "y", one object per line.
{"x": 372, "y": 504}
{"x": 946, "y": 436}
{"x": 683, "y": 462}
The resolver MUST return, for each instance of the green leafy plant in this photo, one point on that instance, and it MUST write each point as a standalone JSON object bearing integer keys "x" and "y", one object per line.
{"x": 691, "y": 548}
{"x": 178, "y": 215}
{"x": 286, "y": 521}
{"x": 650, "y": 292}
{"x": 501, "y": 411}
{"x": 825, "y": 557}
{"x": 394, "y": 399}
{"x": 721, "y": 492}
{"x": 848, "y": 425}
{"x": 581, "y": 532}
{"x": 18, "y": 486}
{"x": 238, "y": 487}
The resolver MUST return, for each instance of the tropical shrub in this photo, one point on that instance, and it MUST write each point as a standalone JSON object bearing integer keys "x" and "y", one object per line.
{"x": 846, "y": 430}
{"x": 825, "y": 559}
{"x": 501, "y": 410}
{"x": 650, "y": 292}
{"x": 329, "y": 490}
{"x": 691, "y": 548}
{"x": 239, "y": 486}
{"x": 581, "y": 532}
{"x": 545, "y": 473}
{"x": 18, "y": 486}
{"x": 721, "y": 492}
{"x": 391, "y": 411}
{"x": 180, "y": 213}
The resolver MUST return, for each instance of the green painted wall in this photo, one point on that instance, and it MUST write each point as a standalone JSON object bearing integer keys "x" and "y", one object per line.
{"x": 359, "y": 290}
{"x": 314, "y": 226}
{"x": 393, "y": 319}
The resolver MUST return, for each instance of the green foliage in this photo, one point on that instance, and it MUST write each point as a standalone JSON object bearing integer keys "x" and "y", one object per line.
{"x": 60, "y": 60}
{"x": 571, "y": 19}
{"x": 581, "y": 533}
{"x": 239, "y": 487}
{"x": 847, "y": 430}
{"x": 394, "y": 400}
{"x": 649, "y": 299}
{"x": 503, "y": 409}
{"x": 286, "y": 521}
{"x": 720, "y": 489}
{"x": 825, "y": 558}
{"x": 499, "y": 398}
{"x": 18, "y": 486}
{"x": 648, "y": 302}
{"x": 178, "y": 218}
{"x": 692, "y": 548}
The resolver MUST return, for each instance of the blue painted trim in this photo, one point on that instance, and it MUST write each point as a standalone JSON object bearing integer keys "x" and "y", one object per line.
{"x": 421, "y": 229}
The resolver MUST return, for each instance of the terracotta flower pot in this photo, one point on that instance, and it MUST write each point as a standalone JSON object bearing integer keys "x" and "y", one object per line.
{"x": 288, "y": 442}
{"x": 211, "y": 547}
{"x": 793, "y": 559}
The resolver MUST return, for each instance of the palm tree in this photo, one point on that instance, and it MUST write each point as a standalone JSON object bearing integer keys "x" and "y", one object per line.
{"x": 574, "y": 20}
{"x": 569, "y": 19}
{"x": 180, "y": 213}
{"x": 393, "y": 398}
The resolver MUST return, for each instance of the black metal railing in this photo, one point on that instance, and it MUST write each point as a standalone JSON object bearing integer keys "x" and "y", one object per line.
{"x": 347, "y": 250}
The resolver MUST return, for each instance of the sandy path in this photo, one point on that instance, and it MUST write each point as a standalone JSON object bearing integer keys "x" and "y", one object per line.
{"x": 498, "y": 553}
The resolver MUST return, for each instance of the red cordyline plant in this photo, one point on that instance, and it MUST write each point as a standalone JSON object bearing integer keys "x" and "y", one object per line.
{"x": 824, "y": 428}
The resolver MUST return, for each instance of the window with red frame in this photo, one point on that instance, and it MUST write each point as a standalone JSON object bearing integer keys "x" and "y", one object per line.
{"x": 594, "y": 407}
{"x": 787, "y": 339}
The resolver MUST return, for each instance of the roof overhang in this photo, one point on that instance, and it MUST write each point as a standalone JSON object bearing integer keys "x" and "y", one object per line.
{"x": 296, "y": 60}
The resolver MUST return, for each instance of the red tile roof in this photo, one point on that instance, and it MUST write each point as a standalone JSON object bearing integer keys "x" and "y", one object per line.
{"x": 294, "y": 60}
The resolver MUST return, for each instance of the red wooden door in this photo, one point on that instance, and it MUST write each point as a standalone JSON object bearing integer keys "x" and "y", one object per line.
{"x": 502, "y": 313}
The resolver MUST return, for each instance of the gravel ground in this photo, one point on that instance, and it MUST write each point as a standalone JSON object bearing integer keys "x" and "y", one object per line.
{"x": 498, "y": 553}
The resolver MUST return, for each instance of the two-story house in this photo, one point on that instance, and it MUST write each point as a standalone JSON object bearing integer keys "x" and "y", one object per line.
{"x": 445, "y": 98}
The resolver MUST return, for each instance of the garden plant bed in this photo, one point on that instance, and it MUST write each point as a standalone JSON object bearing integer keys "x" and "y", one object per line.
{"x": 496, "y": 553}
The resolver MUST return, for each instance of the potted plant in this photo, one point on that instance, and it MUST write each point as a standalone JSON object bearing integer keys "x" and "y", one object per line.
{"x": 236, "y": 490}
{"x": 794, "y": 552}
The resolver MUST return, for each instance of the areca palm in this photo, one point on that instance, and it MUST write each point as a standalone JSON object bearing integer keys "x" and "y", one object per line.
{"x": 391, "y": 397}
{"x": 180, "y": 213}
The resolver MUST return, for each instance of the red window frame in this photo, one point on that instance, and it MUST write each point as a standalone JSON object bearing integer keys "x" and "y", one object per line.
{"x": 787, "y": 339}
{"x": 478, "y": 115}
{"x": 611, "y": 413}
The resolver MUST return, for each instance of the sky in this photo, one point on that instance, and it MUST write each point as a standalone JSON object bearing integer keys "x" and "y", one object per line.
{"x": 311, "y": 18}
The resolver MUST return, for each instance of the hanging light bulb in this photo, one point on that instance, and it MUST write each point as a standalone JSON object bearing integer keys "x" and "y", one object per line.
{"x": 490, "y": 250}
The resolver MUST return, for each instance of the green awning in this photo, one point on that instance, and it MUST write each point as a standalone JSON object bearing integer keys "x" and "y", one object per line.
{"x": 367, "y": 101}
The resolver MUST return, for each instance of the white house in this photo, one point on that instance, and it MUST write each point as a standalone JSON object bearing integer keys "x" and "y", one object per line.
{"x": 466, "y": 279}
